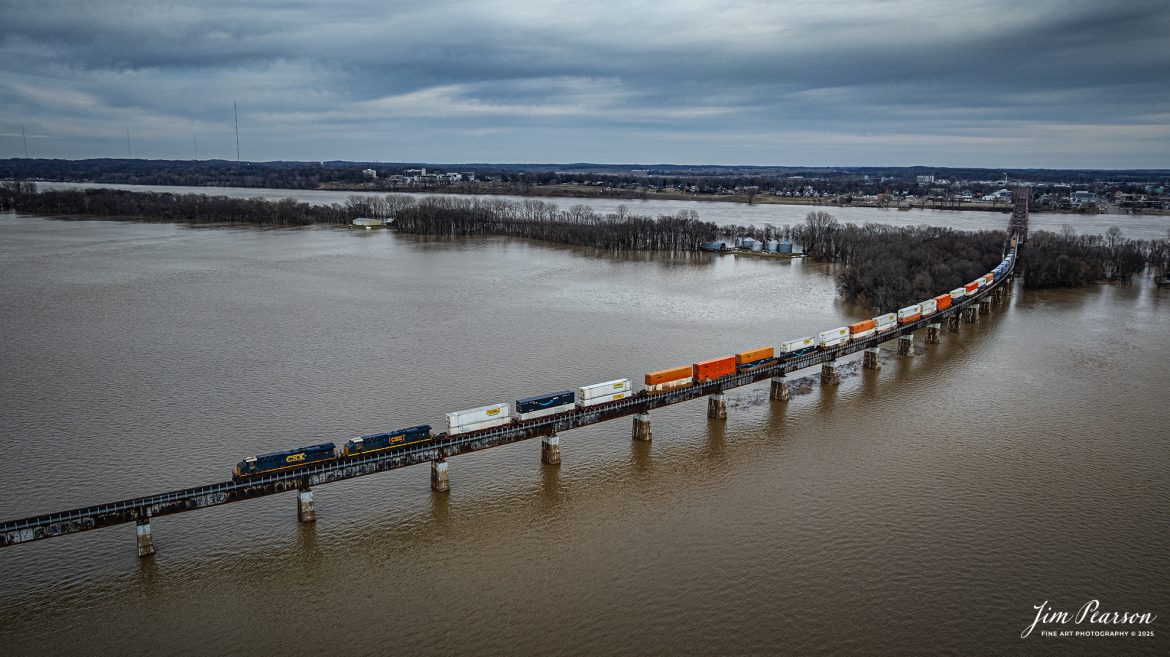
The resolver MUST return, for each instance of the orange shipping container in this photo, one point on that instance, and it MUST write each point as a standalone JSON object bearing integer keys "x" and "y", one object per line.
{"x": 988, "y": 278}
{"x": 971, "y": 287}
{"x": 752, "y": 355}
{"x": 944, "y": 301}
{"x": 862, "y": 326}
{"x": 665, "y": 376}
{"x": 714, "y": 368}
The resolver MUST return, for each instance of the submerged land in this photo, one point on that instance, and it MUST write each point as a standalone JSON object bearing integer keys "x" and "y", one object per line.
{"x": 884, "y": 266}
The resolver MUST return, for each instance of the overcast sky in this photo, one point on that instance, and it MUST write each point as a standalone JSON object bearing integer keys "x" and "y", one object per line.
{"x": 989, "y": 83}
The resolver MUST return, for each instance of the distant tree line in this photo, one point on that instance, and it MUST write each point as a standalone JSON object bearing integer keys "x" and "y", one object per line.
{"x": 439, "y": 215}
{"x": 578, "y": 225}
{"x": 168, "y": 207}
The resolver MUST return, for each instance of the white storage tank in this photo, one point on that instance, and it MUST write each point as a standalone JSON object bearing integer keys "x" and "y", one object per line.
{"x": 474, "y": 419}
{"x": 834, "y": 337}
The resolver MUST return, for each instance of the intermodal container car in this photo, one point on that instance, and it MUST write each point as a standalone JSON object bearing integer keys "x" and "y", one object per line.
{"x": 713, "y": 368}
{"x": 594, "y": 401}
{"x": 885, "y": 322}
{"x": 971, "y": 288}
{"x": 659, "y": 377}
{"x": 753, "y": 357}
{"x": 928, "y": 307}
{"x": 377, "y": 442}
{"x": 531, "y": 408}
{"x": 957, "y": 294}
{"x": 793, "y": 348}
{"x": 862, "y": 330}
{"x": 909, "y": 314}
{"x": 943, "y": 301}
{"x": 862, "y": 326}
{"x": 286, "y": 460}
{"x": 603, "y": 389}
{"x": 988, "y": 279}
{"x": 834, "y": 337}
{"x": 474, "y": 419}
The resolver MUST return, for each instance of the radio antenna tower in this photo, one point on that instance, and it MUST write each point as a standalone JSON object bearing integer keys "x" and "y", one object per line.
{"x": 236, "y": 115}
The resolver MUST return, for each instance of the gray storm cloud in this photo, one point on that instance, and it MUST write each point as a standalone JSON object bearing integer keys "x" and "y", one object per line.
{"x": 993, "y": 83}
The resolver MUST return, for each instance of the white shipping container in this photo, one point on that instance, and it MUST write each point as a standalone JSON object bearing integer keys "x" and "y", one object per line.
{"x": 834, "y": 337}
{"x": 585, "y": 403}
{"x": 477, "y": 415}
{"x": 863, "y": 334}
{"x": 476, "y": 426}
{"x": 886, "y": 321}
{"x": 601, "y": 389}
{"x": 909, "y": 311}
{"x": 928, "y": 307}
{"x": 531, "y": 415}
{"x": 797, "y": 345}
{"x": 980, "y": 282}
{"x": 958, "y": 293}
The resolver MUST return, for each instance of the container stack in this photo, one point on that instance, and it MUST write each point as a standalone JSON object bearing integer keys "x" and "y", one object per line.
{"x": 474, "y": 419}
{"x": 600, "y": 393}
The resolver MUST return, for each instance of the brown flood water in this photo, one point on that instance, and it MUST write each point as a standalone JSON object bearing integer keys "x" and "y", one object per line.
{"x": 923, "y": 509}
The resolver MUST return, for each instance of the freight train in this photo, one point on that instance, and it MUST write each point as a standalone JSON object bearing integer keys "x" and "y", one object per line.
{"x": 657, "y": 382}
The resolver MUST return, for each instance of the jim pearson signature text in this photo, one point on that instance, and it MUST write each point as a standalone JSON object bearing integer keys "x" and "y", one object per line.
{"x": 1088, "y": 613}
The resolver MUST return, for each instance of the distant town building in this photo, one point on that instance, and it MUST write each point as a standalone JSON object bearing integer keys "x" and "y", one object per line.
{"x": 925, "y": 180}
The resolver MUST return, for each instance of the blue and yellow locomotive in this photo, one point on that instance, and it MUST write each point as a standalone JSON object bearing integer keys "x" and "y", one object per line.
{"x": 296, "y": 458}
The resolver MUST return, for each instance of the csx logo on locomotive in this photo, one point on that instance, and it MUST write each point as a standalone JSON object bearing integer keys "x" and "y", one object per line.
{"x": 294, "y": 458}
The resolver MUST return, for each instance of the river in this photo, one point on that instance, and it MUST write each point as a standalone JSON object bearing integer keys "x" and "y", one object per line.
{"x": 922, "y": 509}
{"x": 724, "y": 214}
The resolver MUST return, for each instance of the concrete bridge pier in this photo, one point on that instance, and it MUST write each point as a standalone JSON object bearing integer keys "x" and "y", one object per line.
{"x": 550, "y": 450}
{"x": 439, "y": 481}
{"x": 145, "y": 540}
{"x": 932, "y": 331}
{"x": 717, "y": 406}
{"x": 642, "y": 426}
{"x": 306, "y": 508}
{"x": 984, "y": 307}
{"x": 953, "y": 323}
{"x": 971, "y": 314}
{"x": 872, "y": 359}
{"x": 779, "y": 390}
{"x": 906, "y": 345}
{"x": 830, "y": 375}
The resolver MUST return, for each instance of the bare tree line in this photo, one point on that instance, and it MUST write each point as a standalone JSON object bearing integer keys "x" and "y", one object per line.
{"x": 534, "y": 219}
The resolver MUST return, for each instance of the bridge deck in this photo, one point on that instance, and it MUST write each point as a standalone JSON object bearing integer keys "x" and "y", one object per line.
{"x": 192, "y": 499}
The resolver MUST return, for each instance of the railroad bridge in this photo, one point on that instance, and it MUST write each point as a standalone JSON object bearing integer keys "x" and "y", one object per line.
{"x": 141, "y": 510}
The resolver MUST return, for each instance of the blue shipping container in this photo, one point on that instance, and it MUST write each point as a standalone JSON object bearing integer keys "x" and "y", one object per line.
{"x": 541, "y": 402}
